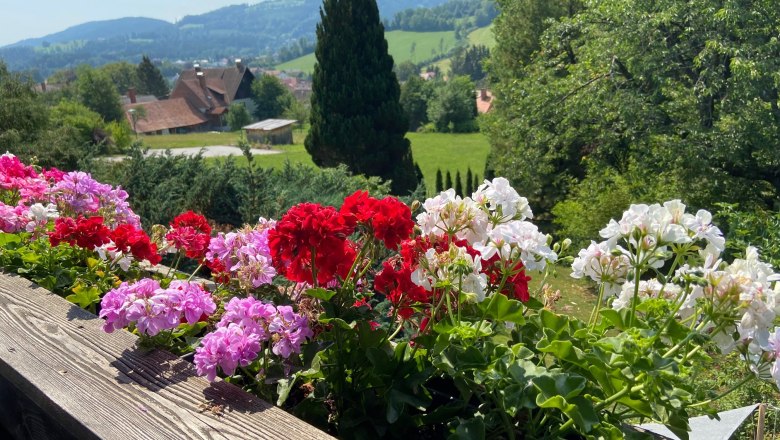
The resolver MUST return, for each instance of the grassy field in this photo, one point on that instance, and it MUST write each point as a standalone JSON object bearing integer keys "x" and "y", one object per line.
{"x": 191, "y": 139}
{"x": 445, "y": 151}
{"x": 483, "y": 36}
{"x": 432, "y": 151}
{"x": 577, "y": 296}
{"x": 426, "y": 45}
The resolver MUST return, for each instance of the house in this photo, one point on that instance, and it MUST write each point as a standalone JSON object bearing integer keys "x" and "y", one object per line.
{"x": 484, "y": 101}
{"x": 198, "y": 102}
{"x": 271, "y": 131}
{"x": 133, "y": 98}
{"x": 211, "y": 91}
{"x": 166, "y": 116}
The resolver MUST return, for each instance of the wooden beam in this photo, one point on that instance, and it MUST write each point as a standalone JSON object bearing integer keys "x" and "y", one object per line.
{"x": 99, "y": 385}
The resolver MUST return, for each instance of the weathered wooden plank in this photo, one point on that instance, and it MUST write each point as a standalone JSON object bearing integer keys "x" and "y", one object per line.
{"x": 98, "y": 385}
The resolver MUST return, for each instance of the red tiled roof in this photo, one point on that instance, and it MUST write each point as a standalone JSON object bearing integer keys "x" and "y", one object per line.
{"x": 484, "y": 101}
{"x": 166, "y": 114}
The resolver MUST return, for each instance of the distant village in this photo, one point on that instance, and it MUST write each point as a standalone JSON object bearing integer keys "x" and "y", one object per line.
{"x": 201, "y": 96}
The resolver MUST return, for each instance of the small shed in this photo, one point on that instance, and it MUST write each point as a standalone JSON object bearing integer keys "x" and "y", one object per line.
{"x": 271, "y": 131}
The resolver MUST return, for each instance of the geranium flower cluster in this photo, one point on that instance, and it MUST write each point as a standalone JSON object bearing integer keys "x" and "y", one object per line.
{"x": 643, "y": 237}
{"x": 77, "y": 193}
{"x": 480, "y": 244}
{"x": 736, "y": 303}
{"x": 243, "y": 255}
{"x": 152, "y": 308}
{"x": 30, "y": 199}
{"x": 245, "y": 326}
{"x": 121, "y": 245}
{"x": 310, "y": 241}
{"x": 190, "y": 233}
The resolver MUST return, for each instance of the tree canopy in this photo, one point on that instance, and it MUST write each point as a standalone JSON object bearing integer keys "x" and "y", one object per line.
{"x": 356, "y": 118}
{"x": 674, "y": 98}
{"x": 150, "y": 79}
{"x": 271, "y": 97}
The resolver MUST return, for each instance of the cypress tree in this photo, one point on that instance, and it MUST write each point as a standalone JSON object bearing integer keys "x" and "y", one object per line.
{"x": 439, "y": 183}
{"x": 458, "y": 184}
{"x": 356, "y": 118}
{"x": 448, "y": 180}
{"x": 150, "y": 79}
{"x": 469, "y": 182}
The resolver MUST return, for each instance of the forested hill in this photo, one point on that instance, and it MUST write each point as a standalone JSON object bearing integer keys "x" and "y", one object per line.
{"x": 240, "y": 30}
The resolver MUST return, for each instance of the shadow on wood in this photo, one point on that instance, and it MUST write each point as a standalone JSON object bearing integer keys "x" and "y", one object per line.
{"x": 92, "y": 384}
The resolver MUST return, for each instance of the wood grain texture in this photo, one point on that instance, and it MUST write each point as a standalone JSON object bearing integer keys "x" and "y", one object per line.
{"x": 98, "y": 385}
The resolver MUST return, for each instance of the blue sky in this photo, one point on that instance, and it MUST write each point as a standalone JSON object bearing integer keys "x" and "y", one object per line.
{"x": 20, "y": 19}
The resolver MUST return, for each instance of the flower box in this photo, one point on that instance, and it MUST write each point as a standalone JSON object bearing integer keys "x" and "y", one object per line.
{"x": 62, "y": 376}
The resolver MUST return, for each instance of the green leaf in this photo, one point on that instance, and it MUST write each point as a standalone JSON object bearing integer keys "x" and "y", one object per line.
{"x": 472, "y": 429}
{"x": 501, "y": 308}
{"x": 6, "y": 239}
{"x": 283, "y": 387}
{"x": 320, "y": 293}
{"x": 562, "y": 384}
{"x": 338, "y": 322}
{"x": 84, "y": 296}
{"x": 396, "y": 399}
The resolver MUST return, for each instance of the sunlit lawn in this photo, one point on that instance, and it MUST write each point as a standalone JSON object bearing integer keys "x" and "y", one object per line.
{"x": 432, "y": 151}
{"x": 577, "y": 295}
{"x": 190, "y": 139}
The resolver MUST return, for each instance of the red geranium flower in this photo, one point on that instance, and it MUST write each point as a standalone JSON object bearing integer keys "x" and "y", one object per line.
{"x": 311, "y": 235}
{"x": 357, "y": 208}
{"x": 191, "y": 233}
{"x": 392, "y": 222}
{"x": 128, "y": 239}
{"x": 87, "y": 233}
{"x": 516, "y": 285}
{"x": 395, "y": 282}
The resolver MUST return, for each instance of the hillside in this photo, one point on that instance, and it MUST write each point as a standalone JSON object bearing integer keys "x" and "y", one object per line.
{"x": 233, "y": 31}
{"x": 402, "y": 45}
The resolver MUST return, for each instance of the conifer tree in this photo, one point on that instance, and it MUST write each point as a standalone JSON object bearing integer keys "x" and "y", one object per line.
{"x": 439, "y": 183}
{"x": 356, "y": 118}
{"x": 469, "y": 182}
{"x": 150, "y": 79}
{"x": 458, "y": 184}
{"x": 448, "y": 180}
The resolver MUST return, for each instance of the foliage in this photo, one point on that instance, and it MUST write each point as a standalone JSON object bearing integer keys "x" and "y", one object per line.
{"x": 415, "y": 95}
{"x": 150, "y": 79}
{"x": 425, "y": 329}
{"x": 161, "y": 186}
{"x": 468, "y": 61}
{"x": 406, "y": 70}
{"x": 123, "y": 74}
{"x": 683, "y": 90}
{"x": 444, "y": 17}
{"x": 757, "y": 228}
{"x": 22, "y": 116}
{"x": 271, "y": 97}
{"x": 356, "y": 118}
{"x": 453, "y": 108}
{"x": 88, "y": 124}
{"x": 96, "y": 91}
{"x": 238, "y": 116}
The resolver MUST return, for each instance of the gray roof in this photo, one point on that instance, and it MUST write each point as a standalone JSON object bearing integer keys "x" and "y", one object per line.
{"x": 270, "y": 124}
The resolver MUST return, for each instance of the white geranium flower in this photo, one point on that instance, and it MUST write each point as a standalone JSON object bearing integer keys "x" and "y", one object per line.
{"x": 500, "y": 194}
{"x": 602, "y": 265}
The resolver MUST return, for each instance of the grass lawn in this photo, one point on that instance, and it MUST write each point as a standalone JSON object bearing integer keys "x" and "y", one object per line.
{"x": 446, "y": 151}
{"x": 577, "y": 296}
{"x": 483, "y": 36}
{"x": 402, "y": 45}
{"x": 432, "y": 151}
{"x": 190, "y": 139}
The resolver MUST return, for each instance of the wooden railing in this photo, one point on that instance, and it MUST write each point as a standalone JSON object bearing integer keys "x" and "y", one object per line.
{"x": 62, "y": 377}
